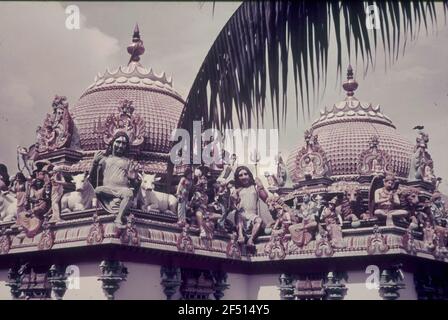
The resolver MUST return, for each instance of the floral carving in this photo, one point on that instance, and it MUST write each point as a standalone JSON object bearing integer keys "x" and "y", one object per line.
{"x": 233, "y": 248}
{"x": 275, "y": 248}
{"x": 96, "y": 232}
{"x": 126, "y": 121}
{"x": 377, "y": 243}
{"x": 311, "y": 160}
{"x": 374, "y": 160}
{"x": 184, "y": 242}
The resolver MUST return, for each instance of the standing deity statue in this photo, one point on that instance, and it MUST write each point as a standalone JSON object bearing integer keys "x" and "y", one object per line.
{"x": 422, "y": 167}
{"x": 56, "y": 131}
{"x": 182, "y": 193}
{"x": 118, "y": 175}
{"x": 281, "y": 171}
{"x": 57, "y": 191}
{"x": 333, "y": 222}
{"x": 247, "y": 195}
{"x": 386, "y": 201}
{"x": 303, "y": 230}
{"x": 37, "y": 198}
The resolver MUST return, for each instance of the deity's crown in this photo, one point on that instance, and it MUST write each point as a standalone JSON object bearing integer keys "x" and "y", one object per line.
{"x": 59, "y": 102}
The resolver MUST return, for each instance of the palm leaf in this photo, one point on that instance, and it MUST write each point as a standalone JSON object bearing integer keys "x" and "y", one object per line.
{"x": 249, "y": 58}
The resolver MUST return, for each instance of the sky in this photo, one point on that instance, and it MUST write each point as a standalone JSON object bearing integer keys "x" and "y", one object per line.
{"x": 40, "y": 57}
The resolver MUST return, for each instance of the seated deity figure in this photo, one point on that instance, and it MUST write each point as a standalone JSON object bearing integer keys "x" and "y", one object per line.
{"x": 247, "y": 195}
{"x": 386, "y": 200}
{"x": 118, "y": 177}
{"x": 333, "y": 222}
{"x": 281, "y": 213}
{"x": 306, "y": 222}
{"x": 308, "y": 168}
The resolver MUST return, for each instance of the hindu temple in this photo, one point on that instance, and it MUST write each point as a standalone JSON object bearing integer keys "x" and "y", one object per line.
{"x": 98, "y": 211}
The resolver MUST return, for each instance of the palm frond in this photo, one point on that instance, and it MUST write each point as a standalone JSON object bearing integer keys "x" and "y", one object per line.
{"x": 250, "y": 56}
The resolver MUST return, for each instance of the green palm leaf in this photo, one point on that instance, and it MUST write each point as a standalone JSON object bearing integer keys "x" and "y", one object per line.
{"x": 249, "y": 58}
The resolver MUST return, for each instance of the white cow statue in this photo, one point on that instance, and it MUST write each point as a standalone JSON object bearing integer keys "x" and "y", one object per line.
{"x": 8, "y": 206}
{"x": 148, "y": 199}
{"x": 82, "y": 198}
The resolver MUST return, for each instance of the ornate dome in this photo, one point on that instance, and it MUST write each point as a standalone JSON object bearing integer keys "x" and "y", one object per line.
{"x": 151, "y": 94}
{"x": 347, "y": 136}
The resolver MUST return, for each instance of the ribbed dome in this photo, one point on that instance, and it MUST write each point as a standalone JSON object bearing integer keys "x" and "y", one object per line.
{"x": 345, "y": 132}
{"x": 152, "y": 96}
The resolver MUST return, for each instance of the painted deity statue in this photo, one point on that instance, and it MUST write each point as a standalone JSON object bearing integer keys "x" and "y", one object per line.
{"x": 281, "y": 171}
{"x": 182, "y": 193}
{"x": 333, "y": 222}
{"x": 199, "y": 205}
{"x": 281, "y": 213}
{"x": 37, "y": 202}
{"x": 247, "y": 196}
{"x": 422, "y": 163}
{"x": 386, "y": 200}
{"x": 57, "y": 191}
{"x": 118, "y": 176}
{"x": 440, "y": 218}
{"x": 306, "y": 224}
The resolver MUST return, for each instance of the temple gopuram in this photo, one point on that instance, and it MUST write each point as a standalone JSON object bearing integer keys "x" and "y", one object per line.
{"x": 98, "y": 211}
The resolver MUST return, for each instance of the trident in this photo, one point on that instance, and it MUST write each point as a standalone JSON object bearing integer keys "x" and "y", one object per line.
{"x": 255, "y": 157}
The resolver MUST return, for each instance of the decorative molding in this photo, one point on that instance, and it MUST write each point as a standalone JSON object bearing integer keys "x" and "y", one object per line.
{"x": 184, "y": 242}
{"x": 129, "y": 235}
{"x": 5, "y": 243}
{"x": 47, "y": 238}
{"x": 96, "y": 232}
{"x": 275, "y": 248}
{"x": 377, "y": 243}
{"x": 233, "y": 249}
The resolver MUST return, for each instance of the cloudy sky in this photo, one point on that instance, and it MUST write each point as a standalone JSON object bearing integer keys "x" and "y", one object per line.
{"x": 40, "y": 57}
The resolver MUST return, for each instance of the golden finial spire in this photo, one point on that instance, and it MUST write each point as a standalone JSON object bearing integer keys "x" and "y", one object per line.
{"x": 136, "y": 48}
{"x": 350, "y": 85}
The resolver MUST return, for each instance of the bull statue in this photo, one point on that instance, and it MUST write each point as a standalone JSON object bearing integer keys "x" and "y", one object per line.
{"x": 8, "y": 206}
{"x": 149, "y": 199}
{"x": 82, "y": 198}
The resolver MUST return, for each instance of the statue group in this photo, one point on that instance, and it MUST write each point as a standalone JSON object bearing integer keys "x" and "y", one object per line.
{"x": 234, "y": 202}
{"x": 231, "y": 203}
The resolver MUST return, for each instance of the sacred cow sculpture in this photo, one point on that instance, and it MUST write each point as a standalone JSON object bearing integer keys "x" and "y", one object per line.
{"x": 148, "y": 199}
{"x": 82, "y": 198}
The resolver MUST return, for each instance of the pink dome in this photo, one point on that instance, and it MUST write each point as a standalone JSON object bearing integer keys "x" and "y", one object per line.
{"x": 345, "y": 131}
{"x": 152, "y": 96}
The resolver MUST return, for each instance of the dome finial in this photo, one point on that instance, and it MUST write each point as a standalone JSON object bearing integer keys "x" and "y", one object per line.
{"x": 136, "y": 48}
{"x": 350, "y": 85}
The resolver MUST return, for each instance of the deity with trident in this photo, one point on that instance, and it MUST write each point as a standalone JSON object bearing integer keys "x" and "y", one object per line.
{"x": 247, "y": 195}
